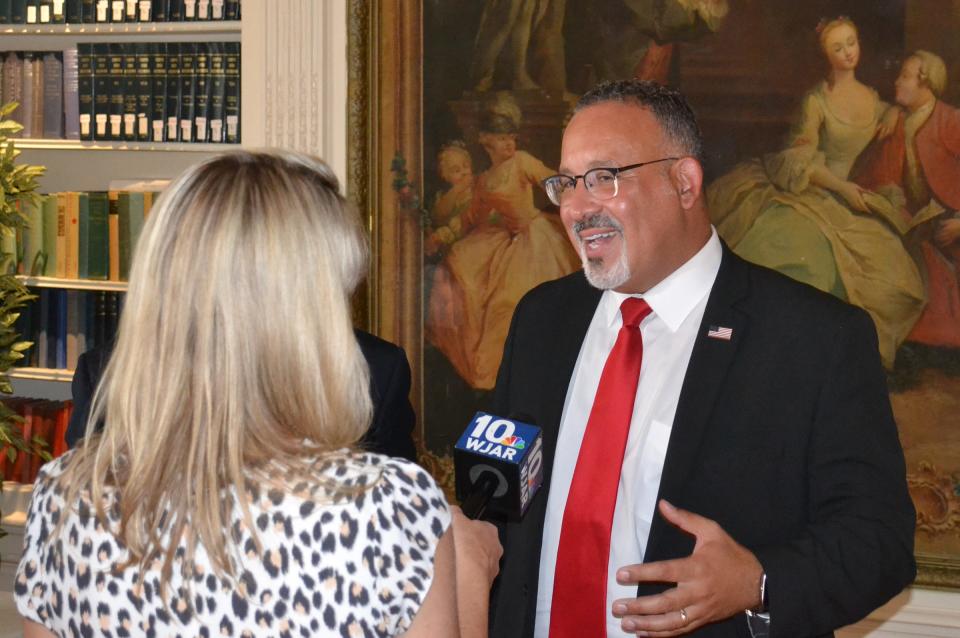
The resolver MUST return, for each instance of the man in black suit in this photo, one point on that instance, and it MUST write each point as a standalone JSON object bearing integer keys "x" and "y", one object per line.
{"x": 761, "y": 468}
{"x": 390, "y": 433}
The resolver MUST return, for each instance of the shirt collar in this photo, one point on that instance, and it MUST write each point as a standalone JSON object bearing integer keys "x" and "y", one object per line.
{"x": 674, "y": 298}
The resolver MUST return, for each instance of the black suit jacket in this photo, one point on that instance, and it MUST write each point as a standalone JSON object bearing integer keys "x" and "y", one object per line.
{"x": 390, "y": 433}
{"x": 783, "y": 434}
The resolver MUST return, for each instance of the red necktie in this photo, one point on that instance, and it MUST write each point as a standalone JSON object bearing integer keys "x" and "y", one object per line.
{"x": 579, "y": 605}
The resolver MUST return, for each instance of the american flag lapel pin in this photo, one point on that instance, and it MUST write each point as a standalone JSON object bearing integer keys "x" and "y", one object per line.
{"x": 720, "y": 332}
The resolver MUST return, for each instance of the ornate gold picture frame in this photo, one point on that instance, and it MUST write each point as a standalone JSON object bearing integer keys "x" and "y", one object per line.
{"x": 427, "y": 79}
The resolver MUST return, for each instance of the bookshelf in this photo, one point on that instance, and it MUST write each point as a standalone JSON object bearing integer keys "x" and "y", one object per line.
{"x": 53, "y": 383}
{"x": 293, "y": 95}
{"x": 71, "y": 31}
{"x": 73, "y": 284}
{"x": 102, "y": 162}
{"x": 294, "y": 49}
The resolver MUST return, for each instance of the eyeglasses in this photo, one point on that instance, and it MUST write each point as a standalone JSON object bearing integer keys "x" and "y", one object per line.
{"x": 601, "y": 183}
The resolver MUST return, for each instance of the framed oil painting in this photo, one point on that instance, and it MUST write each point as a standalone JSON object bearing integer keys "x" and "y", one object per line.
{"x": 456, "y": 111}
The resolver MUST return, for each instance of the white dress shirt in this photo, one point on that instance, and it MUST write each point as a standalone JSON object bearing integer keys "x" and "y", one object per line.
{"x": 669, "y": 332}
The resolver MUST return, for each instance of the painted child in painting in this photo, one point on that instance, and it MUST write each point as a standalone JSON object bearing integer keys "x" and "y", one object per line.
{"x": 450, "y": 207}
{"x": 510, "y": 246}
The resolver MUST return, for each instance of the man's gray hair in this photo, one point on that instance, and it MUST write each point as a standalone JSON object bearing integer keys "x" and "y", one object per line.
{"x": 667, "y": 105}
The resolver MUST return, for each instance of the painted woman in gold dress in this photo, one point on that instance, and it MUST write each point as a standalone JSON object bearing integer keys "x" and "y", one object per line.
{"x": 797, "y": 212}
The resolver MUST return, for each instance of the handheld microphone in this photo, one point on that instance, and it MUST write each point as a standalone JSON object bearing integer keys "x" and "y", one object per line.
{"x": 498, "y": 466}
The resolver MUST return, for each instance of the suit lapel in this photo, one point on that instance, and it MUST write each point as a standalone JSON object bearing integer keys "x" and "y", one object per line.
{"x": 565, "y": 343}
{"x": 706, "y": 372}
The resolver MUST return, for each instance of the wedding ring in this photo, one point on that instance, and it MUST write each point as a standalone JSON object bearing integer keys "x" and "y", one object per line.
{"x": 683, "y": 615}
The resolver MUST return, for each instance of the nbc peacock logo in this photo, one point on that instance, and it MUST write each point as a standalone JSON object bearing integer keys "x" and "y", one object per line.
{"x": 514, "y": 441}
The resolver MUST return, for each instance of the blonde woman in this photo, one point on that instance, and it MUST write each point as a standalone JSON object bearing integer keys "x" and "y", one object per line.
{"x": 798, "y": 212}
{"x": 224, "y": 495}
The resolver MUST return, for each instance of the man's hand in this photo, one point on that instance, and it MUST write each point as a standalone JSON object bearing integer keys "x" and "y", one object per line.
{"x": 719, "y": 579}
{"x": 947, "y": 232}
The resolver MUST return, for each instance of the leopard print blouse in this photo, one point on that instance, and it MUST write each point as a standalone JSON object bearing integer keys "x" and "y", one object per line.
{"x": 350, "y": 568}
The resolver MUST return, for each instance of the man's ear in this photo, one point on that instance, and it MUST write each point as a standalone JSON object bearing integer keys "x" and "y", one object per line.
{"x": 687, "y": 175}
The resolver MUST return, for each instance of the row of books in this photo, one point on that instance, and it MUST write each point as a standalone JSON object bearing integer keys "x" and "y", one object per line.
{"x": 46, "y": 420}
{"x": 63, "y": 324}
{"x": 36, "y": 80}
{"x": 92, "y": 11}
{"x": 130, "y": 91}
{"x": 79, "y": 235}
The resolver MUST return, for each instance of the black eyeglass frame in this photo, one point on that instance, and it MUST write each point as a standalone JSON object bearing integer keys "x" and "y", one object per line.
{"x": 614, "y": 170}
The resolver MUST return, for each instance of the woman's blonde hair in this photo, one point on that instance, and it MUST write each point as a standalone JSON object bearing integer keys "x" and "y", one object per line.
{"x": 235, "y": 356}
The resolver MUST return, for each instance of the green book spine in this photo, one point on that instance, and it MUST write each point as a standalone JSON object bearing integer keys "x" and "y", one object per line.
{"x": 88, "y": 11}
{"x": 5, "y": 11}
{"x": 73, "y": 13}
{"x": 18, "y": 12}
{"x": 231, "y": 109}
{"x": 101, "y": 91}
{"x": 83, "y": 210}
{"x": 144, "y": 83}
{"x": 158, "y": 77}
{"x": 137, "y": 216}
{"x": 202, "y": 111}
{"x": 160, "y": 10}
{"x": 173, "y": 92}
{"x": 50, "y": 222}
{"x": 123, "y": 210}
{"x": 188, "y": 89}
{"x": 98, "y": 241}
{"x": 130, "y": 91}
{"x": 32, "y": 261}
{"x": 218, "y": 90}
{"x": 115, "y": 62}
{"x": 85, "y": 90}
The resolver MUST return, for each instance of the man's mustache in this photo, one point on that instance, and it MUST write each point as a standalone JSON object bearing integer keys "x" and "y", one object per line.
{"x": 597, "y": 221}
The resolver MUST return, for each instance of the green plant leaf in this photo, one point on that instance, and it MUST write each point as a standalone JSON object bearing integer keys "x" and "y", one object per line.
{"x": 18, "y": 184}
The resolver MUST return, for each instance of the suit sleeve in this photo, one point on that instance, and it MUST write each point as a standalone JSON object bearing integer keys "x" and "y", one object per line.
{"x": 82, "y": 388}
{"x": 391, "y": 432}
{"x": 501, "y": 391}
{"x": 856, "y": 551}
